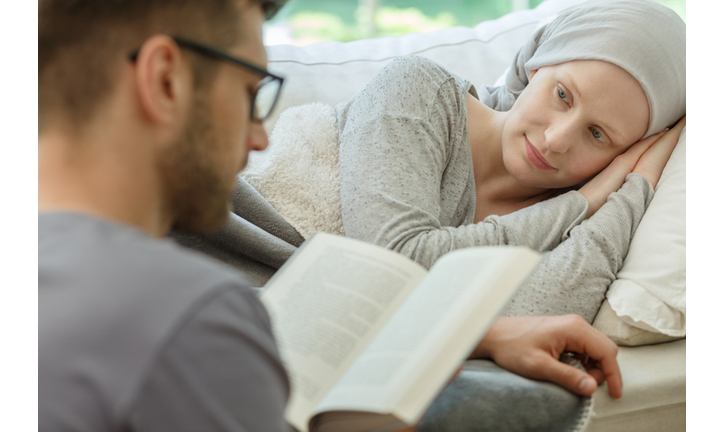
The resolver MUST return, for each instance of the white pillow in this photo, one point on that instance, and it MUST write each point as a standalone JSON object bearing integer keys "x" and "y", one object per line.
{"x": 333, "y": 72}
{"x": 650, "y": 291}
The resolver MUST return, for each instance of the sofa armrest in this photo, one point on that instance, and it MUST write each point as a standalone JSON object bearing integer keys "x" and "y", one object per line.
{"x": 654, "y": 391}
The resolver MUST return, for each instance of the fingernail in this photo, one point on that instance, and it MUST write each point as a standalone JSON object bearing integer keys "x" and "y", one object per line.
{"x": 588, "y": 386}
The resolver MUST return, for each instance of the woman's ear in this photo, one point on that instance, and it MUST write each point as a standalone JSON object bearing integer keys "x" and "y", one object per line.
{"x": 531, "y": 73}
{"x": 163, "y": 81}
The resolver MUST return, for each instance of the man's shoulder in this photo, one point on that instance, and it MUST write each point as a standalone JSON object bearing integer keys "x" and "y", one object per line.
{"x": 89, "y": 263}
{"x": 107, "y": 248}
{"x": 111, "y": 296}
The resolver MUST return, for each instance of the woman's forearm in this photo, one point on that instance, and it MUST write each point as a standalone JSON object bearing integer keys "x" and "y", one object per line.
{"x": 574, "y": 277}
{"x": 420, "y": 236}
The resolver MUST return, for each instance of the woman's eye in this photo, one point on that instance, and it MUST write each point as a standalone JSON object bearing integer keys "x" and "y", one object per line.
{"x": 597, "y": 134}
{"x": 562, "y": 94}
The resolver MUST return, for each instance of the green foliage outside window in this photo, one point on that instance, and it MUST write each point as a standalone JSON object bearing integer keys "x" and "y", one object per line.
{"x": 309, "y": 21}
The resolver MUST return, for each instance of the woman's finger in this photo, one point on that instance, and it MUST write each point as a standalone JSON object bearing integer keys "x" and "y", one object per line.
{"x": 639, "y": 148}
{"x": 653, "y": 161}
{"x": 612, "y": 177}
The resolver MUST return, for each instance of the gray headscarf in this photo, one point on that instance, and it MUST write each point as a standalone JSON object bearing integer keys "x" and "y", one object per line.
{"x": 643, "y": 37}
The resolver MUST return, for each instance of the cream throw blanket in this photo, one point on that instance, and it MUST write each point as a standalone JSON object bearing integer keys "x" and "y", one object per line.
{"x": 299, "y": 173}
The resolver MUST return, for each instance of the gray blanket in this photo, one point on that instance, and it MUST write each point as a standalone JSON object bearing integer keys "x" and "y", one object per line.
{"x": 485, "y": 397}
{"x": 256, "y": 240}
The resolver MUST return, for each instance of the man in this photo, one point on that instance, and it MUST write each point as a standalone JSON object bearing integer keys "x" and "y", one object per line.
{"x": 148, "y": 110}
{"x": 147, "y": 134}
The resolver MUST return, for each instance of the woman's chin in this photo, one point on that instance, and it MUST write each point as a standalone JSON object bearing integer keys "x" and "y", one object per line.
{"x": 531, "y": 180}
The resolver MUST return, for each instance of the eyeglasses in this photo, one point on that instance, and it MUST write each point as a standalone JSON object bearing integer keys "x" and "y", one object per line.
{"x": 266, "y": 93}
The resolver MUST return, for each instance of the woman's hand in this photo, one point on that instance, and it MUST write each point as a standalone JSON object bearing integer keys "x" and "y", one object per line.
{"x": 647, "y": 157}
{"x": 531, "y": 346}
{"x": 653, "y": 161}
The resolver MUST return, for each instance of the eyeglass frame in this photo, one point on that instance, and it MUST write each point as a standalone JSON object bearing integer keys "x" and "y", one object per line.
{"x": 215, "y": 53}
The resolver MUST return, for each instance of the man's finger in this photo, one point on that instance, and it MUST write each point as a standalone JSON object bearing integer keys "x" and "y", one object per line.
{"x": 596, "y": 373}
{"x": 586, "y": 340}
{"x": 568, "y": 377}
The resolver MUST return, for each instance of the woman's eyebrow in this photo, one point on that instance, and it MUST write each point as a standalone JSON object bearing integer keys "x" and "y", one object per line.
{"x": 577, "y": 95}
{"x": 572, "y": 82}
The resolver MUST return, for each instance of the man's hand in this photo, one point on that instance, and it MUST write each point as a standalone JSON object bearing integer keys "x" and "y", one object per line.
{"x": 647, "y": 157}
{"x": 531, "y": 346}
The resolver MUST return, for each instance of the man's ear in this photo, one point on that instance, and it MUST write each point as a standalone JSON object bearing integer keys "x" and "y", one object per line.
{"x": 163, "y": 80}
{"x": 531, "y": 73}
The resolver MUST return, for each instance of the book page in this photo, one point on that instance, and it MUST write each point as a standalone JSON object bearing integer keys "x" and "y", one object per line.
{"x": 326, "y": 305}
{"x": 443, "y": 318}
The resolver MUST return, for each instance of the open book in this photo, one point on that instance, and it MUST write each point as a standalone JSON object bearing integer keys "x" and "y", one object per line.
{"x": 370, "y": 337}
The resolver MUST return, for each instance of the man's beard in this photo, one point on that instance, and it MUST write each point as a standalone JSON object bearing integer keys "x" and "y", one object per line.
{"x": 197, "y": 197}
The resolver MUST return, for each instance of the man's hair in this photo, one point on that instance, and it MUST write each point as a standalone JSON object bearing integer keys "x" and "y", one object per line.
{"x": 82, "y": 43}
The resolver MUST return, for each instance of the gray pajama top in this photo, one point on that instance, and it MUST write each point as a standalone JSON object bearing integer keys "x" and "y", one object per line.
{"x": 407, "y": 183}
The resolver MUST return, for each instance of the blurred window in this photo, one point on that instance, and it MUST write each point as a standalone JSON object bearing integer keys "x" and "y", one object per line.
{"x": 302, "y": 22}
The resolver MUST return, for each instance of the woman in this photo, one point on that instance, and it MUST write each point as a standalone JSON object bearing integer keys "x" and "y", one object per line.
{"x": 426, "y": 167}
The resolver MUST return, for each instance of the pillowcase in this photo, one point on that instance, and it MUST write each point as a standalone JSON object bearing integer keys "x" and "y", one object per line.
{"x": 649, "y": 293}
{"x": 610, "y": 324}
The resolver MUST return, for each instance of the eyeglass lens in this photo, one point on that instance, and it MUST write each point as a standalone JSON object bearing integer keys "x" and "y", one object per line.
{"x": 266, "y": 96}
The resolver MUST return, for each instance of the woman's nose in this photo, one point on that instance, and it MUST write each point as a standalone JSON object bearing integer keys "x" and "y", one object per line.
{"x": 558, "y": 135}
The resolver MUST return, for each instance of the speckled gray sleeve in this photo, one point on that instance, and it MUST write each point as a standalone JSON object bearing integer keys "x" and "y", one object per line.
{"x": 574, "y": 277}
{"x": 406, "y": 174}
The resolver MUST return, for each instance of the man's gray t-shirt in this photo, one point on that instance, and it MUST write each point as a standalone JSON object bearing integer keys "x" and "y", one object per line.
{"x": 139, "y": 334}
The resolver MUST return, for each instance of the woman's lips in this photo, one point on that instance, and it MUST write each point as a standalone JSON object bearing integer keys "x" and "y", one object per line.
{"x": 535, "y": 157}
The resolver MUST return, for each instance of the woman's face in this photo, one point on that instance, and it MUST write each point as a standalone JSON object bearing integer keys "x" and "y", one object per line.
{"x": 571, "y": 121}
